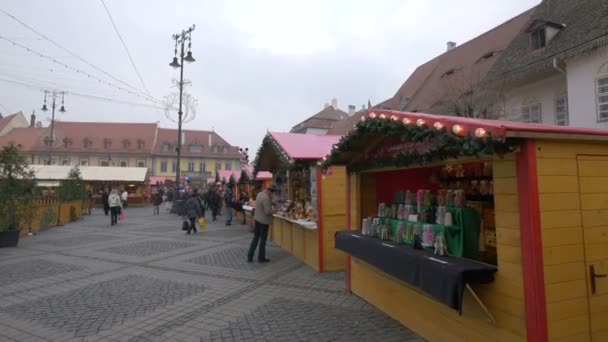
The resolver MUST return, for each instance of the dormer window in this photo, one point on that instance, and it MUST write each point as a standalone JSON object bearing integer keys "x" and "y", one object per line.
{"x": 195, "y": 148}
{"x": 542, "y": 31}
{"x": 448, "y": 73}
{"x": 486, "y": 56}
{"x": 107, "y": 143}
{"x": 87, "y": 143}
{"x": 166, "y": 147}
{"x": 126, "y": 143}
{"x": 67, "y": 142}
{"x": 140, "y": 144}
{"x": 538, "y": 38}
{"x": 215, "y": 149}
{"x": 224, "y": 149}
{"x": 403, "y": 101}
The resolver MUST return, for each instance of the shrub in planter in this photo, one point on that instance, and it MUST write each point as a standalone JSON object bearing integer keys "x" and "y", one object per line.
{"x": 16, "y": 194}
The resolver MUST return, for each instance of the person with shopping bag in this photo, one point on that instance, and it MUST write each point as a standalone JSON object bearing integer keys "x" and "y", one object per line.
{"x": 192, "y": 211}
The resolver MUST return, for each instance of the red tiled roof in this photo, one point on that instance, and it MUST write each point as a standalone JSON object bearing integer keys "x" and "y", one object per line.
{"x": 202, "y": 138}
{"x": 305, "y": 146}
{"x": 443, "y": 77}
{"x": 117, "y": 133}
{"x": 324, "y": 119}
{"x": 25, "y": 138}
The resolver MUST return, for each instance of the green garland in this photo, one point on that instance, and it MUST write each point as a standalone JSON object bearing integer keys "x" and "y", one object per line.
{"x": 447, "y": 145}
{"x": 268, "y": 142}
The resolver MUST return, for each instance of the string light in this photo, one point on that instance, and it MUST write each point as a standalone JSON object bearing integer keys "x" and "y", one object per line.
{"x": 372, "y": 115}
{"x": 420, "y": 122}
{"x": 406, "y": 121}
{"x": 382, "y": 116}
{"x": 394, "y": 118}
{"x": 438, "y": 125}
{"x": 457, "y": 129}
{"x": 480, "y": 132}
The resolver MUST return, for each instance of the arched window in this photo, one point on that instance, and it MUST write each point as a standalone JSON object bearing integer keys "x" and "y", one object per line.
{"x": 140, "y": 144}
{"x": 126, "y": 143}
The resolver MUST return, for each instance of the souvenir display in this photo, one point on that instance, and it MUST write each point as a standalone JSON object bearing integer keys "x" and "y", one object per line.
{"x": 384, "y": 232}
{"x": 447, "y": 221}
{"x": 398, "y": 237}
{"x": 417, "y": 238}
{"x": 440, "y": 245}
{"x": 365, "y": 226}
{"x": 428, "y": 236}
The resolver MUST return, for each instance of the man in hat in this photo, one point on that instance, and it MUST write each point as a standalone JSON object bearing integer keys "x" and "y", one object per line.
{"x": 263, "y": 218}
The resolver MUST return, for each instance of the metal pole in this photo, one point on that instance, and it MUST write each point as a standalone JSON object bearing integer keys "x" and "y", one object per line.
{"x": 52, "y": 130}
{"x": 179, "y": 122}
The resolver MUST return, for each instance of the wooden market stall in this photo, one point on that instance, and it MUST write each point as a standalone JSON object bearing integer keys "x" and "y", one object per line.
{"x": 311, "y": 202}
{"x": 520, "y": 210}
{"x": 96, "y": 178}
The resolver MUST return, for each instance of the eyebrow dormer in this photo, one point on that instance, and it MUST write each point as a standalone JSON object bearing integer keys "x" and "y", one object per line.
{"x": 542, "y": 32}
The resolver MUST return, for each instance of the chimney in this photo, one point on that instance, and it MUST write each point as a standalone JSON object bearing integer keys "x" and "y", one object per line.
{"x": 33, "y": 119}
{"x": 451, "y": 45}
{"x": 351, "y": 110}
{"x": 325, "y": 105}
{"x": 334, "y": 103}
{"x": 38, "y": 124}
{"x": 210, "y": 134}
{"x": 183, "y": 138}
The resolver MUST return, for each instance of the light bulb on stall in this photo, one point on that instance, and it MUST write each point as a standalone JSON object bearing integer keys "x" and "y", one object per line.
{"x": 480, "y": 133}
{"x": 420, "y": 122}
{"x": 438, "y": 125}
{"x": 382, "y": 116}
{"x": 372, "y": 115}
{"x": 406, "y": 121}
{"x": 457, "y": 129}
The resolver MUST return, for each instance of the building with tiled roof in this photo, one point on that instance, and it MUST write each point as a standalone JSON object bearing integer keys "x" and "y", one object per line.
{"x": 12, "y": 121}
{"x": 555, "y": 70}
{"x": 125, "y": 145}
{"x": 451, "y": 83}
{"x": 321, "y": 122}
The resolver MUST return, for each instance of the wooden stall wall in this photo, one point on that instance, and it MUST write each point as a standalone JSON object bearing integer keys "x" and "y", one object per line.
{"x": 435, "y": 321}
{"x": 573, "y": 186}
{"x": 333, "y": 188}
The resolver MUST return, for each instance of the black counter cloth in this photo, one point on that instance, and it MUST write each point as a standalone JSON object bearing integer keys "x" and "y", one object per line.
{"x": 444, "y": 278}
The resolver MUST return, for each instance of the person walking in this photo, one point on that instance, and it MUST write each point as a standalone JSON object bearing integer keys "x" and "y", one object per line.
{"x": 115, "y": 204}
{"x": 192, "y": 211}
{"x": 213, "y": 202}
{"x": 263, "y": 218}
{"x": 157, "y": 200}
{"x": 228, "y": 205}
{"x": 124, "y": 197}
{"x": 104, "y": 201}
{"x": 200, "y": 202}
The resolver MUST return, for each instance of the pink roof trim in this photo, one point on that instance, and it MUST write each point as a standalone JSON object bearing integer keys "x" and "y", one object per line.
{"x": 263, "y": 175}
{"x": 305, "y": 146}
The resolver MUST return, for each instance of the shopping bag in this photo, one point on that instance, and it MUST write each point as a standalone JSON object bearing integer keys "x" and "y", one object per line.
{"x": 121, "y": 216}
{"x": 185, "y": 225}
{"x": 202, "y": 223}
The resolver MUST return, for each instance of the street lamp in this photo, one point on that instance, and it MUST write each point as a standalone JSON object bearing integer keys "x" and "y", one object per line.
{"x": 180, "y": 39}
{"x": 54, "y": 95}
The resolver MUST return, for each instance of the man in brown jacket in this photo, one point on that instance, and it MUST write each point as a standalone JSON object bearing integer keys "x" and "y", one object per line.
{"x": 263, "y": 218}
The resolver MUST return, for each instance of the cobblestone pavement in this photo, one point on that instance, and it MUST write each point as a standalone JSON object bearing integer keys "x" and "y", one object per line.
{"x": 145, "y": 280}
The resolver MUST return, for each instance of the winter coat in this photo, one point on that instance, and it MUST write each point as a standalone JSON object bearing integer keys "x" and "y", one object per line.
{"x": 114, "y": 200}
{"x": 192, "y": 208}
{"x": 157, "y": 199}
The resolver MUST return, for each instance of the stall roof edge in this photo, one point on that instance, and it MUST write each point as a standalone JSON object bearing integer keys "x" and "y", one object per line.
{"x": 299, "y": 146}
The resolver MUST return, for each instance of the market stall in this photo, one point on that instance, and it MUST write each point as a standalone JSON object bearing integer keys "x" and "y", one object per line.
{"x": 475, "y": 230}
{"x": 97, "y": 178}
{"x": 311, "y": 208}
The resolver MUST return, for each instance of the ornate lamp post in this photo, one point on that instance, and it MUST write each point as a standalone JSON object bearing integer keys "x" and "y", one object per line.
{"x": 54, "y": 95}
{"x": 181, "y": 39}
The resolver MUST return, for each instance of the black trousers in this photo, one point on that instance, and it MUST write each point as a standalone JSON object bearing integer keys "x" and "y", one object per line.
{"x": 192, "y": 225}
{"x": 114, "y": 215}
{"x": 260, "y": 234}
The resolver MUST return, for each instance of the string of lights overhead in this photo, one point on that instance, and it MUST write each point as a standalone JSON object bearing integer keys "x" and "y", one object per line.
{"x": 71, "y": 53}
{"x": 100, "y": 81}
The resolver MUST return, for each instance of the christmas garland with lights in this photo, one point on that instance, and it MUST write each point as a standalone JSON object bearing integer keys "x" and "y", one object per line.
{"x": 446, "y": 144}
{"x": 270, "y": 142}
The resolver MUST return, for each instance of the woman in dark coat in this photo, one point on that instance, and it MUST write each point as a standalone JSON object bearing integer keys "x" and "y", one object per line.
{"x": 192, "y": 211}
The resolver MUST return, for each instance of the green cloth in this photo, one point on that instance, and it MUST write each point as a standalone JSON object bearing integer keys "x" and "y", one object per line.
{"x": 462, "y": 237}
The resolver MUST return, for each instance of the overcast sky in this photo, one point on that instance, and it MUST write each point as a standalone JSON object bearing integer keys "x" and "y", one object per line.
{"x": 261, "y": 65}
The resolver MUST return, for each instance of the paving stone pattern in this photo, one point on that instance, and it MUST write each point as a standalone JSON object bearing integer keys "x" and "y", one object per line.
{"x": 100, "y": 306}
{"x": 295, "y": 320}
{"x": 145, "y": 280}
{"x": 234, "y": 258}
{"x": 34, "y": 268}
{"x": 148, "y": 248}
